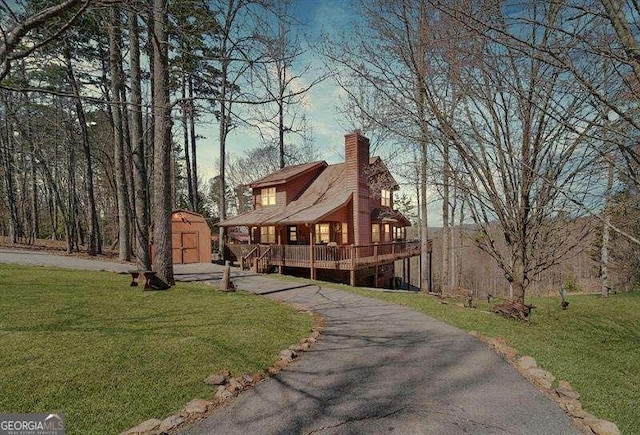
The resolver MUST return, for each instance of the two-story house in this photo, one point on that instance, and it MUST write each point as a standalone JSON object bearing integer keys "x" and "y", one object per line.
{"x": 336, "y": 221}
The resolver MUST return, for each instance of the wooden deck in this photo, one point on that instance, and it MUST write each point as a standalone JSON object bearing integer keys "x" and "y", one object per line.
{"x": 344, "y": 257}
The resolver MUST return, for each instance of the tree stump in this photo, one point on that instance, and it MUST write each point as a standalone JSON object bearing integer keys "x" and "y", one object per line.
{"x": 225, "y": 284}
{"x": 514, "y": 310}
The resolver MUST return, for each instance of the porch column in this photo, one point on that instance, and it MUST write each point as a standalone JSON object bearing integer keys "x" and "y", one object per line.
{"x": 352, "y": 271}
{"x": 312, "y": 265}
{"x": 279, "y": 243}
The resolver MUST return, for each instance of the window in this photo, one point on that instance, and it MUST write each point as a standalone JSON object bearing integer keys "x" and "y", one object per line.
{"x": 268, "y": 195}
{"x": 293, "y": 234}
{"x": 385, "y": 198}
{"x": 323, "y": 233}
{"x": 375, "y": 233}
{"x": 387, "y": 233}
{"x": 345, "y": 233}
{"x": 267, "y": 234}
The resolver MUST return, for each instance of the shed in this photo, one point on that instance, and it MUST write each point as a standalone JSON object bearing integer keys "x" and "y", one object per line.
{"x": 191, "y": 237}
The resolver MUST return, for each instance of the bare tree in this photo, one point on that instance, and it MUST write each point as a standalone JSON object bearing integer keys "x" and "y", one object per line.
{"x": 15, "y": 27}
{"x": 283, "y": 79}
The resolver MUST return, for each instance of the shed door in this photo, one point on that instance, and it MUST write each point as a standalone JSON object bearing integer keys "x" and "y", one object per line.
{"x": 185, "y": 248}
{"x": 190, "y": 252}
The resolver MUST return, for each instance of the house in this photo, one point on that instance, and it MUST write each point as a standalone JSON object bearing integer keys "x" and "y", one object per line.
{"x": 332, "y": 222}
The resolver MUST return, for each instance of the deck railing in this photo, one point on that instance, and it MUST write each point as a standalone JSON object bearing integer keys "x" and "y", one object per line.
{"x": 344, "y": 257}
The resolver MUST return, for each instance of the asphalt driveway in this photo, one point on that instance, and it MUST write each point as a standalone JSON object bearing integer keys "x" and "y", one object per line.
{"x": 378, "y": 368}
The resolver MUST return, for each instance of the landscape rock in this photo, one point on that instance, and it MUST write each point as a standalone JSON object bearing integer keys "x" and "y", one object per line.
{"x": 216, "y": 379}
{"x": 257, "y": 377}
{"x": 603, "y": 427}
{"x": 294, "y": 348}
{"x": 567, "y": 393}
{"x": 197, "y": 406}
{"x": 572, "y": 406}
{"x": 223, "y": 394}
{"x": 247, "y": 379}
{"x": 566, "y": 390}
{"x": 525, "y": 363}
{"x": 288, "y": 354}
{"x": 305, "y": 346}
{"x": 170, "y": 423}
{"x": 273, "y": 370}
{"x": 234, "y": 385}
{"x": 541, "y": 377}
{"x": 312, "y": 341}
{"x": 145, "y": 428}
{"x": 315, "y": 334}
{"x": 282, "y": 363}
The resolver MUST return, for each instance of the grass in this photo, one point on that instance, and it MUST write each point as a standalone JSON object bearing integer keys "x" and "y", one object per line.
{"x": 110, "y": 356}
{"x": 595, "y": 344}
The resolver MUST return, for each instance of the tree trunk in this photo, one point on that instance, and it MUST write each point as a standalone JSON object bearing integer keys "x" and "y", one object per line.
{"x": 185, "y": 135}
{"x": 446, "y": 229}
{"x": 604, "y": 250}
{"x": 95, "y": 243}
{"x": 425, "y": 263}
{"x": 141, "y": 221}
{"x": 518, "y": 281}
{"x": 194, "y": 156}
{"x": 118, "y": 134}
{"x": 7, "y": 151}
{"x": 162, "y": 260}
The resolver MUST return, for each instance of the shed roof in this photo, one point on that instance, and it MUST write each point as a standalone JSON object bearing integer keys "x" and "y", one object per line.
{"x": 324, "y": 196}
{"x": 186, "y": 216}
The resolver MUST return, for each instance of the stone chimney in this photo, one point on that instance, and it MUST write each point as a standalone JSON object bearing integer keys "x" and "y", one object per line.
{"x": 356, "y": 154}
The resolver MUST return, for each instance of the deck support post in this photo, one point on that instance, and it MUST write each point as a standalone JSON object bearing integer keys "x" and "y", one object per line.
{"x": 376, "y": 271}
{"x": 420, "y": 272}
{"x": 352, "y": 271}
{"x": 312, "y": 260}
{"x": 404, "y": 271}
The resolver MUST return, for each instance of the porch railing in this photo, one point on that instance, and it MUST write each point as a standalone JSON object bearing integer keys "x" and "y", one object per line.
{"x": 344, "y": 257}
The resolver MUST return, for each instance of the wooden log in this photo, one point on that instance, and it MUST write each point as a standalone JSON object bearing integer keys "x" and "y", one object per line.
{"x": 225, "y": 284}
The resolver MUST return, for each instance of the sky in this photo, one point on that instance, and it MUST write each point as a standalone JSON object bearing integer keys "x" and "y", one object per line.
{"x": 320, "y": 103}
{"x": 328, "y": 17}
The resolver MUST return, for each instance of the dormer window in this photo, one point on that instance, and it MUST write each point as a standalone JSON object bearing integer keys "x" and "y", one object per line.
{"x": 268, "y": 195}
{"x": 386, "y": 198}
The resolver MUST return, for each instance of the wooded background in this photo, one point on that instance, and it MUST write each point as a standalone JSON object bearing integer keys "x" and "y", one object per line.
{"x": 519, "y": 121}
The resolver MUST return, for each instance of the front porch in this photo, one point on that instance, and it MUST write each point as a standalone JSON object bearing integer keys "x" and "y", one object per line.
{"x": 351, "y": 258}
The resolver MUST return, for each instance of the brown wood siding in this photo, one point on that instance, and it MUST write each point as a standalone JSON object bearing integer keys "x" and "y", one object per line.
{"x": 191, "y": 237}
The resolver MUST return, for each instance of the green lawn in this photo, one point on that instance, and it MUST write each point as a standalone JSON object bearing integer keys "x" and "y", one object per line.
{"x": 110, "y": 356}
{"x": 595, "y": 344}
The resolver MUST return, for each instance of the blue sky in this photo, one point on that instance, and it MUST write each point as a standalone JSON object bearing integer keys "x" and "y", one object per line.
{"x": 321, "y": 16}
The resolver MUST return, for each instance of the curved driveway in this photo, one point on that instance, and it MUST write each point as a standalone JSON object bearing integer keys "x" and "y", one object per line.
{"x": 378, "y": 368}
